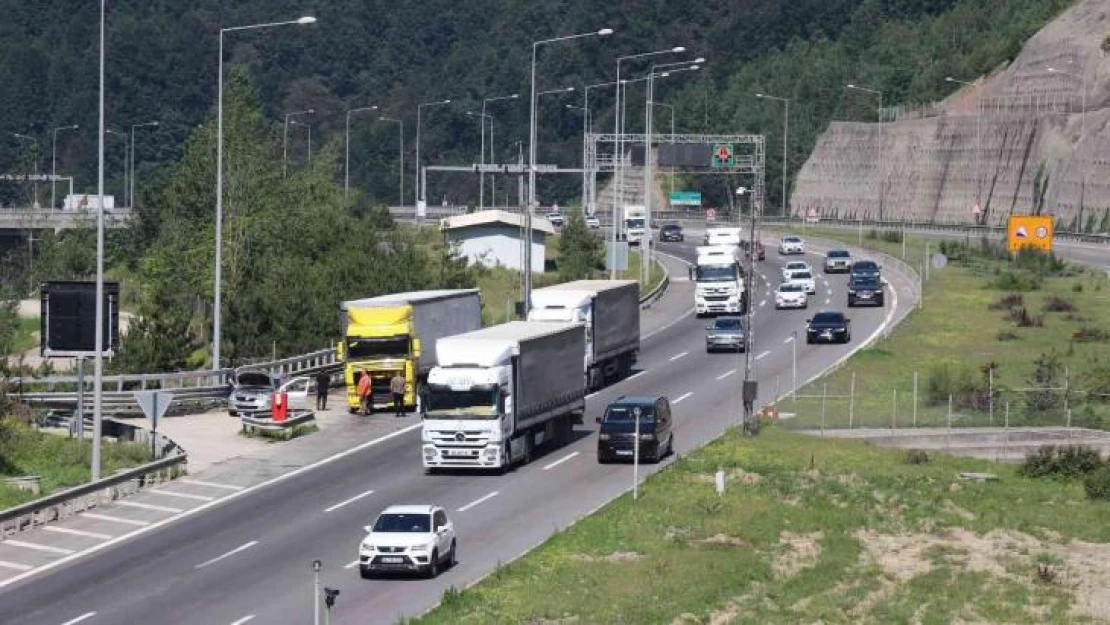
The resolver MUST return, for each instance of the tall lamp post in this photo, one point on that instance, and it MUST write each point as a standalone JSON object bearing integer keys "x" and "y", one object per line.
{"x": 420, "y": 191}
{"x": 618, "y": 151}
{"x": 401, "y": 157}
{"x": 98, "y": 331}
{"x": 131, "y": 164}
{"x": 482, "y": 159}
{"x": 285, "y": 140}
{"x": 978, "y": 138}
{"x": 785, "y": 136}
{"x": 54, "y": 161}
{"x": 482, "y": 173}
{"x": 879, "y": 168}
{"x": 347, "y": 147}
{"x": 217, "y": 300}
{"x": 527, "y": 294}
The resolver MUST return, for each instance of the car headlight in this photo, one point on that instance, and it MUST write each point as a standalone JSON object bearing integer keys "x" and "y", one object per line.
{"x": 421, "y": 548}
{"x": 851, "y": 292}
{"x": 602, "y": 437}
{"x": 367, "y": 547}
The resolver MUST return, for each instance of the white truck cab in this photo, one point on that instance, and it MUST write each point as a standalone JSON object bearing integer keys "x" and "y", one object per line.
{"x": 719, "y": 283}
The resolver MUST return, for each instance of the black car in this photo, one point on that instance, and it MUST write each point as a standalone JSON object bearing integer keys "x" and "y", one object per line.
{"x": 866, "y": 268}
{"x": 865, "y": 290}
{"x": 671, "y": 232}
{"x": 829, "y": 326}
{"x": 725, "y": 333}
{"x": 616, "y": 439}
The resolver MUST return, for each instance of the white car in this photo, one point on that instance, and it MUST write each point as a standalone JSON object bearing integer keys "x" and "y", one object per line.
{"x": 791, "y": 244}
{"x": 405, "y": 539}
{"x": 791, "y": 295}
{"x": 804, "y": 279}
{"x": 792, "y": 266}
{"x": 556, "y": 219}
{"x": 592, "y": 222}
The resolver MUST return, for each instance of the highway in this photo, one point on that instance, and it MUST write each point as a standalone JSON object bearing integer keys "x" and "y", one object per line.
{"x": 248, "y": 560}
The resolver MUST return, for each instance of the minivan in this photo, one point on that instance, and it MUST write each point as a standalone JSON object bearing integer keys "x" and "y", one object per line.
{"x": 616, "y": 437}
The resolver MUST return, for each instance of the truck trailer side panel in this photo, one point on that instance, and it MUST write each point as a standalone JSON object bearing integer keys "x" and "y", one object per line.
{"x": 549, "y": 376}
{"x": 436, "y": 319}
{"x": 616, "y": 320}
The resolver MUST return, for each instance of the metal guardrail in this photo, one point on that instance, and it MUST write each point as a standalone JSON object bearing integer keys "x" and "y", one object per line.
{"x": 970, "y": 229}
{"x": 653, "y": 296}
{"x": 66, "y": 503}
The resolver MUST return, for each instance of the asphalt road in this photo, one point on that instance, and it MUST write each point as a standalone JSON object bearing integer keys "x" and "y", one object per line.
{"x": 248, "y": 560}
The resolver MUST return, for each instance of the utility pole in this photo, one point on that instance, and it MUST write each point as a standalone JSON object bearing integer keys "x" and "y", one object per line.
{"x": 750, "y": 386}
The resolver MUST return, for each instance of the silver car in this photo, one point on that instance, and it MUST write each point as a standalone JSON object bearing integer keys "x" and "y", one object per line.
{"x": 252, "y": 392}
{"x": 725, "y": 333}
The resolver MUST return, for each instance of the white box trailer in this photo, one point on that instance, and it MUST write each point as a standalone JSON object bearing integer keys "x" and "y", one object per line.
{"x": 500, "y": 392}
{"x": 610, "y": 310}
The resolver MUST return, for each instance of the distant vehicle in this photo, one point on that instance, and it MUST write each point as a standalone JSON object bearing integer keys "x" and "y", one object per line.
{"x": 829, "y": 326}
{"x": 791, "y": 295}
{"x": 635, "y": 218}
{"x": 792, "y": 266}
{"x": 592, "y": 222}
{"x": 760, "y": 251}
{"x": 671, "y": 232}
{"x": 838, "y": 261}
{"x": 408, "y": 539}
{"x": 616, "y": 439}
{"x": 556, "y": 219}
{"x": 865, "y": 290}
{"x": 803, "y": 279}
{"x": 718, "y": 281}
{"x": 253, "y": 392}
{"x": 791, "y": 244}
{"x": 866, "y": 268}
{"x": 725, "y": 333}
{"x": 723, "y": 235}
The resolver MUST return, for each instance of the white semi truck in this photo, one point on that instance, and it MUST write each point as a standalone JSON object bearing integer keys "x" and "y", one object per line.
{"x": 500, "y": 392}
{"x": 719, "y": 281}
{"x": 635, "y": 220}
{"x": 610, "y": 310}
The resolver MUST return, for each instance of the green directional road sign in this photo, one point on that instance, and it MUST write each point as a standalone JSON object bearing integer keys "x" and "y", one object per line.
{"x": 685, "y": 198}
{"x": 723, "y": 155}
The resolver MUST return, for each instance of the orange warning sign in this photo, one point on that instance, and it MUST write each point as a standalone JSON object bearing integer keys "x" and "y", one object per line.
{"x": 1029, "y": 230}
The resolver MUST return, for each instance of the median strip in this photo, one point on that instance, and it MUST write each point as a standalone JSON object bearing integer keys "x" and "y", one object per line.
{"x": 147, "y": 506}
{"x": 478, "y": 501}
{"x": 170, "y": 493}
{"x": 186, "y": 480}
{"x": 113, "y": 519}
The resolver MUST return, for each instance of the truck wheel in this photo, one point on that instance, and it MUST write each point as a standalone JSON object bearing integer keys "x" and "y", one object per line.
{"x": 527, "y": 449}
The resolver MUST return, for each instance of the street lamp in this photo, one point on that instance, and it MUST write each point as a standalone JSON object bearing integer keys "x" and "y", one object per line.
{"x": 978, "y": 139}
{"x": 482, "y": 173}
{"x": 879, "y": 168}
{"x": 618, "y": 143}
{"x": 748, "y": 390}
{"x": 131, "y": 164}
{"x": 54, "y": 161}
{"x": 420, "y": 191}
{"x": 527, "y": 292}
{"x": 785, "y": 136}
{"x": 217, "y": 299}
{"x": 347, "y": 147}
{"x": 401, "y": 156}
{"x": 285, "y": 140}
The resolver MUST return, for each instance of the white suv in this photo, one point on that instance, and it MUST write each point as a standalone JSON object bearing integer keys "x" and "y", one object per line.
{"x": 408, "y": 539}
{"x": 791, "y": 244}
{"x": 792, "y": 266}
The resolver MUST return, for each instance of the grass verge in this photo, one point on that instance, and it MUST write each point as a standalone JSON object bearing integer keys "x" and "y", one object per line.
{"x": 1041, "y": 332}
{"x": 812, "y": 530}
{"x": 275, "y": 436}
{"x": 61, "y": 462}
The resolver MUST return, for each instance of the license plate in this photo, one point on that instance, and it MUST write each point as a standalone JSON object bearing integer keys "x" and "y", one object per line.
{"x": 865, "y": 296}
{"x": 392, "y": 560}
{"x": 827, "y": 335}
{"x": 460, "y": 453}
{"x": 624, "y": 452}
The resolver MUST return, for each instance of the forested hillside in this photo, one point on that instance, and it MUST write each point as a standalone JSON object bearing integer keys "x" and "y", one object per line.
{"x": 162, "y": 66}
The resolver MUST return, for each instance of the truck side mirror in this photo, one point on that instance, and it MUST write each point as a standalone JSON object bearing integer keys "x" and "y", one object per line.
{"x": 340, "y": 349}
{"x": 416, "y": 347}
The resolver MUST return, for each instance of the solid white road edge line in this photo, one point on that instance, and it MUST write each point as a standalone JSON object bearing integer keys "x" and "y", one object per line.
{"x": 112, "y": 519}
{"x": 247, "y": 618}
{"x": 682, "y": 398}
{"x": 185, "y": 480}
{"x": 560, "y": 461}
{"x": 478, "y": 501}
{"x": 726, "y": 374}
{"x": 351, "y": 565}
{"x": 234, "y": 551}
{"x": 351, "y": 500}
{"x": 208, "y": 505}
{"x": 85, "y": 616}
{"x": 66, "y": 530}
{"x": 762, "y": 355}
{"x": 677, "y": 356}
{"x": 38, "y": 547}
{"x": 788, "y": 339}
{"x": 685, "y": 313}
{"x": 4, "y": 564}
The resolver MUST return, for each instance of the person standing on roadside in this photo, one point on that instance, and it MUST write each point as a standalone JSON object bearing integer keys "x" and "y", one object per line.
{"x": 323, "y": 385}
{"x": 364, "y": 392}
{"x": 397, "y": 389}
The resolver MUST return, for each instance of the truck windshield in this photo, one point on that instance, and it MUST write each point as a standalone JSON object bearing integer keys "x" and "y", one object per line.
{"x": 716, "y": 273}
{"x": 391, "y": 347}
{"x": 472, "y": 404}
{"x": 635, "y": 223}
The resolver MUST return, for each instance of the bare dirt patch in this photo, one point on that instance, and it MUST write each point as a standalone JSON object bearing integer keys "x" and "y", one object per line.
{"x": 735, "y": 474}
{"x": 720, "y": 540}
{"x": 801, "y": 552}
{"x": 616, "y": 556}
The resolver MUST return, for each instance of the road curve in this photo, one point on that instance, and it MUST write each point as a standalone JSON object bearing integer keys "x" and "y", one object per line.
{"x": 250, "y": 558}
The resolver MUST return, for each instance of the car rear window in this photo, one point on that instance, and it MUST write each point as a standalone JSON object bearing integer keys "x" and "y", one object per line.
{"x": 726, "y": 324}
{"x": 791, "y": 288}
{"x": 865, "y": 265}
{"x": 838, "y": 254}
{"x": 828, "y": 317}
{"x": 802, "y": 275}
{"x": 792, "y": 240}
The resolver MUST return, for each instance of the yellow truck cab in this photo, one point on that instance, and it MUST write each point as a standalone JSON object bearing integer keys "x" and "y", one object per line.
{"x": 397, "y": 333}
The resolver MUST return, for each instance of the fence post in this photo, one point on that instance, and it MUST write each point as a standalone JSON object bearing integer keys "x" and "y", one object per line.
{"x": 1007, "y": 428}
{"x": 852, "y": 401}
{"x": 948, "y": 443}
{"x": 894, "y": 411}
{"x": 990, "y": 393}
{"x": 824, "y": 395}
{"x": 915, "y": 399}
{"x": 1067, "y": 380}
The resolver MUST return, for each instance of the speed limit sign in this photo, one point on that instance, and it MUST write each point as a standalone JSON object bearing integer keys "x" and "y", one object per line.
{"x": 710, "y": 214}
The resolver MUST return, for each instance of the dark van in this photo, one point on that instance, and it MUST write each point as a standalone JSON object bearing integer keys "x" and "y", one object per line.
{"x": 617, "y": 435}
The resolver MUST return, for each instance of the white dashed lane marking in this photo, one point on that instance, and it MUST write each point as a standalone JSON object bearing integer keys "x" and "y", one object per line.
{"x": 726, "y": 374}
{"x": 347, "y": 501}
{"x": 677, "y": 356}
{"x": 560, "y": 461}
{"x": 234, "y": 551}
{"x": 685, "y": 396}
{"x": 762, "y": 355}
{"x": 479, "y": 501}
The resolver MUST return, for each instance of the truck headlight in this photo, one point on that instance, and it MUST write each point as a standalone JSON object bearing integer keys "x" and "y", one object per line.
{"x": 602, "y": 437}
{"x": 647, "y": 437}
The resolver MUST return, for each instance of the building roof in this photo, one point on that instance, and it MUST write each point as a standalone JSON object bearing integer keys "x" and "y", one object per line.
{"x": 481, "y": 218}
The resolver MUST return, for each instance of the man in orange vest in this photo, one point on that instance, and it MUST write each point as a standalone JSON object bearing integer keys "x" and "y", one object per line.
{"x": 364, "y": 392}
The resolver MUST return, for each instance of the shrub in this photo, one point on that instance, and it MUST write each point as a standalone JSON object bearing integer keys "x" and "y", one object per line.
{"x": 892, "y": 236}
{"x": 1008, "y": 301}
{"x": 1097, "y": 484}
{"x": 1023, "y": 319}
{"x": 1010, "y": 280}
{"x": 1089, "y": 334}
{"x": 1077, "y": 287}
{"x": 959, "y": 380}
{"x": 1069, "y": 462}
{"x": 1043, "y": 264}
{"x": 1006, "y": 335}
{"x": 1055, "y": 303}
{"x": 917, "y": 456}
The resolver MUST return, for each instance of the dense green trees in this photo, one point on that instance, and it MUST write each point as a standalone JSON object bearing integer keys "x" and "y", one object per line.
{"x": 581, "y": 253}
